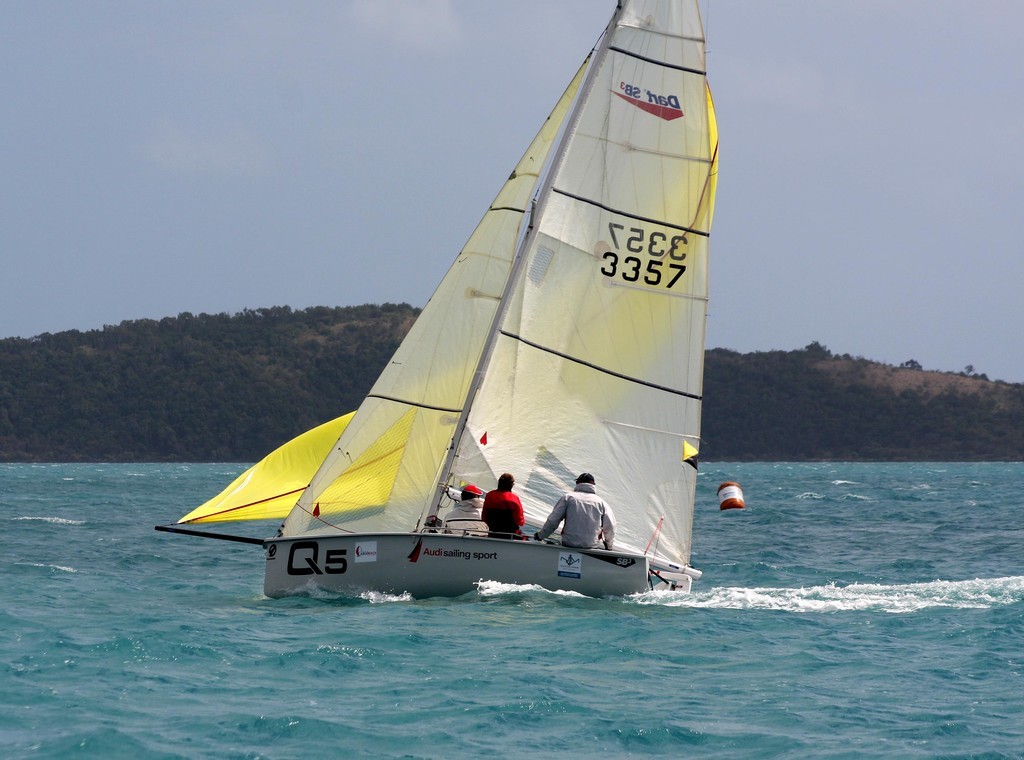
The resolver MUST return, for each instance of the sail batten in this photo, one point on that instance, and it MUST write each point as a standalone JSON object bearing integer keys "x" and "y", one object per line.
{"x": 417, "y": 404}
{"x": 666, "y": 64}
{"x": 597, "y": 368}
{"x": 628, "y": 215}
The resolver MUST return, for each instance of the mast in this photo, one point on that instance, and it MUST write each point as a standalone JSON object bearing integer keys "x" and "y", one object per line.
{"x": 536, "y": 212}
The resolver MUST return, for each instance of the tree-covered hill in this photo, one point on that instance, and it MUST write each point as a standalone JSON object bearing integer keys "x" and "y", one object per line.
{"x": 231, "y": 388}
{"x": 190, "y": 388}
{"x": 813, "y": 405}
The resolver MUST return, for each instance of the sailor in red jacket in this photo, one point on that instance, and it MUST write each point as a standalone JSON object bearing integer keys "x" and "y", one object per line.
{"x": 503, "y": 512}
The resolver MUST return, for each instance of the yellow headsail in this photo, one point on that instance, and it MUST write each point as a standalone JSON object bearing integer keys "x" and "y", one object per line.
{"x": 269, "y": 489}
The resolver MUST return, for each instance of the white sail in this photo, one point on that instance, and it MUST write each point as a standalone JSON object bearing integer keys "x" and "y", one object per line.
{"x": 383, "y": 472}
{"x": 578, "y": 346}
{"x": 598, "y": 360}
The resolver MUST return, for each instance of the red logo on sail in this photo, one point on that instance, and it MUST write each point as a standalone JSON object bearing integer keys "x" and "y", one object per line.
{"x": 665, "y": 107}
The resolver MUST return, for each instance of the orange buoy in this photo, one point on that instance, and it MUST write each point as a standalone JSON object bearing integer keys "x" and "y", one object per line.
{"x": 730, "y": 496}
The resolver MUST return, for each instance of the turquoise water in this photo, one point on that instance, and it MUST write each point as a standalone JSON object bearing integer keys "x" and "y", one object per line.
{"x": 852, "y": 610}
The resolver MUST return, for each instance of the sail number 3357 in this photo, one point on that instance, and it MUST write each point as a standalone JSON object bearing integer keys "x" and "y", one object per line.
{"x": 638, "y": 255}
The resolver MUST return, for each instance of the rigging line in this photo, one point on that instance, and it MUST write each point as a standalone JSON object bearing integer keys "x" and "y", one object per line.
{"x": 707, "y": 26}
{"x": 651, "y": 430}
{"x": 320, "y": 519}
{"x": 626, "y": 214}
{"x": 654, "y": 535}
{"x": 656, "y": 538}
{"x": 413, "y": 403}
{"x": 250, "y": 504}
{"x": 656, "y": 62}
{"x": 712, "y": 172}
{"x": 603, "y": 370}
{"x": 655, "y": 151}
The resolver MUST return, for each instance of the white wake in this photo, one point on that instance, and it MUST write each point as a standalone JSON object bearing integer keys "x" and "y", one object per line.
{"x": 981, "y": 593}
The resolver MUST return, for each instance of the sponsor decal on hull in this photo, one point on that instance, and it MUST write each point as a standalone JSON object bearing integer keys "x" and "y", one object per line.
{"x": 458, "y": 554}
{"x": 420, "y": 551}
{"x": 366, "y": 551}
{"x": 570, "y": 565}
{"x": 619, "y": 561}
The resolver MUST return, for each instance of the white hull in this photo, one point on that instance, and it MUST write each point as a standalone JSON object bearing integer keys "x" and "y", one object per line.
{"x": 437, "y": 564}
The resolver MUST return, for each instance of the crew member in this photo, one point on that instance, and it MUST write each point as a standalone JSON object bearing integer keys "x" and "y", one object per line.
{"x": 503, "y": 512}
{"x": 465, "y": 517}
{"x": 589, "y": 522}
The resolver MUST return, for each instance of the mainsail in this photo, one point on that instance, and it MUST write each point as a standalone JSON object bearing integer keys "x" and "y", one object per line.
{"x": 598, "y": 360}
{"x": 568, "y": 335}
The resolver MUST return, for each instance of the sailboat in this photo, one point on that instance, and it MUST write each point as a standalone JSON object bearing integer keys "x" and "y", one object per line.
{"x": 566, "y": 337}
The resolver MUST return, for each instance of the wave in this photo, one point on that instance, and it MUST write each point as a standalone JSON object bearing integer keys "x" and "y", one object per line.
{"x": 61, "y": 568}
{"x": 54, "y": 520}
{"x": 496, "y": 588}
{"x": 981, "y": 593}
{"x": 380, "y": 597}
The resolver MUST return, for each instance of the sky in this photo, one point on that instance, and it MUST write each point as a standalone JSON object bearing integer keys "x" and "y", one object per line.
{"x": 164, "y": 157}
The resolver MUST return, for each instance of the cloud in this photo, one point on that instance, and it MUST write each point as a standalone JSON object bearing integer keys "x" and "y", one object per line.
{"x": 235, "y": 152}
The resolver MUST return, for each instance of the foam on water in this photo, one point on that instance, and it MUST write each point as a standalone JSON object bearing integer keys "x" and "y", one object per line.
{"x": 61, "y": 568}
{"x": 854, "y": 497}
{"x": 981, "y": 593}
{"x": 53, "y": 520}
{"x": 312, "y": 591}
{"x": 378, "y": 597}
{"x": 497, "y": 588}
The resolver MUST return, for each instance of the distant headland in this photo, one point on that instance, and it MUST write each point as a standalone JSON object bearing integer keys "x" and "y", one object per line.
{"x": 231, "y": 388}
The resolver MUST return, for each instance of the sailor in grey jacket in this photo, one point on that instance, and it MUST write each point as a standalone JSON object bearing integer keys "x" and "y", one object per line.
{"x": 588, "y": 519}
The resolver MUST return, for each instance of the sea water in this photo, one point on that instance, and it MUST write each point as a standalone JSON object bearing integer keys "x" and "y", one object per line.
{"x": 851, "y": 610}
